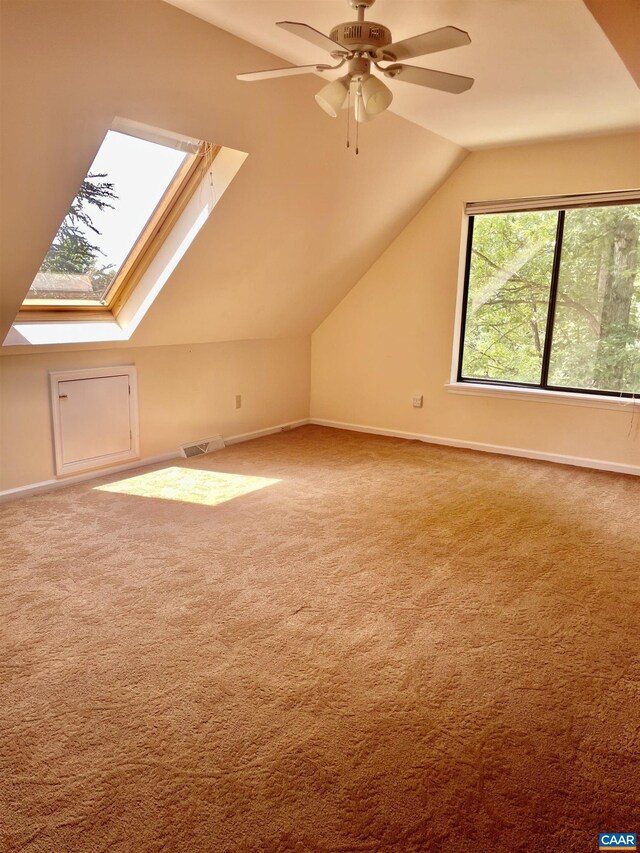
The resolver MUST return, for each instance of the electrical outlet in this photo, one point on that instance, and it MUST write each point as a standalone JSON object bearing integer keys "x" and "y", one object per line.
{"x": 417, "y": 401}
{"x": 238, "y": 401}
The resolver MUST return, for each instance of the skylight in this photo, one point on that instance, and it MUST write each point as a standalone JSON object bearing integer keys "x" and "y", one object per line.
{"x": 143, "y": 201}
{"x": 129, "y": 185}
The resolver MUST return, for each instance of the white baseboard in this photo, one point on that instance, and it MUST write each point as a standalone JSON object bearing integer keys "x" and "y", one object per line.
{"x": 49, "y": 485}
{"x": 259, "y": 433}
{"x": 579, "y": 461}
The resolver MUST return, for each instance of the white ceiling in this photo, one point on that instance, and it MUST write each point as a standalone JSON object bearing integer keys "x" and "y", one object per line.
{"x": 543, "y": 68}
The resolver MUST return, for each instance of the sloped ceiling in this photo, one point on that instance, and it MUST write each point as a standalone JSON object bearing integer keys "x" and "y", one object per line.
{"x": 620, "y": 21}
{"x": 543, "y": 68}
{"x": 303, "y": 220}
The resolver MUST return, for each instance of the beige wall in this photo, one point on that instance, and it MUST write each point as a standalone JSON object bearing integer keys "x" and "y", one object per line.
{"x": 185, "y": 393}
{"x": 392, "y": 335}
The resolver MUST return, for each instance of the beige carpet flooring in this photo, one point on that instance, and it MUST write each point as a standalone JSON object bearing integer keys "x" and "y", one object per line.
{"x": 322, "y": 641}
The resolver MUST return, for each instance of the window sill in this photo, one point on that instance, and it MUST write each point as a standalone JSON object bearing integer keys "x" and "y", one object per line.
{"x": 541, "y": 395}
{"x": 76, "y": 332}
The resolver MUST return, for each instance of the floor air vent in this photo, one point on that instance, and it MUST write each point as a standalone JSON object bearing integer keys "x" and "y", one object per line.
{"x": 198, "y": 448}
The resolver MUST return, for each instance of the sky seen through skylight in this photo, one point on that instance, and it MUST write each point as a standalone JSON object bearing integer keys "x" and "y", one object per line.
{"x": 140, "y": 172}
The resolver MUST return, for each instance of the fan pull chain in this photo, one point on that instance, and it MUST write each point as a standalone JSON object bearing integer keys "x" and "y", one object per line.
{"x": 348, "y": 113}
{"x": 358, "y": 95}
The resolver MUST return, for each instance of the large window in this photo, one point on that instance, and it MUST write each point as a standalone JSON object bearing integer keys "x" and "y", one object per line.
{"x": 552, "y": 299}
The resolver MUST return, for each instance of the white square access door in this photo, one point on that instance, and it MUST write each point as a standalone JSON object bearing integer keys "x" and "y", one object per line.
{"x": 95, "y": 417}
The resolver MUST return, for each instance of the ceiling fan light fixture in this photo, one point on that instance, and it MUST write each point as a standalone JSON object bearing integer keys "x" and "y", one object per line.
{"x": 332, "y": 96}
{"x": 376, "y": 97}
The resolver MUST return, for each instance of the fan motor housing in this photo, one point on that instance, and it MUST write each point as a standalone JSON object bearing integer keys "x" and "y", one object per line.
{"x": 361, "y": 35}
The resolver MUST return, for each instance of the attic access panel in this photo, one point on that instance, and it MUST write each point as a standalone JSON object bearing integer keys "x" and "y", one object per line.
{"x": 94, "y": 417}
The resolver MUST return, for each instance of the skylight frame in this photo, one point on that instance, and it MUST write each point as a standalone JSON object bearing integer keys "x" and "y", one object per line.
{"x": 158, "y": 226}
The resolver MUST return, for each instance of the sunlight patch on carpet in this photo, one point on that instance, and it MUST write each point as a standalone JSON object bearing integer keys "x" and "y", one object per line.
{"x": 208, "y": 488}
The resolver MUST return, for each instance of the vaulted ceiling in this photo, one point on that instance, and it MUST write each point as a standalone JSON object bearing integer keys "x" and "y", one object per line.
{"x": 302, "y": 221}
{"x": 305, "y": 217}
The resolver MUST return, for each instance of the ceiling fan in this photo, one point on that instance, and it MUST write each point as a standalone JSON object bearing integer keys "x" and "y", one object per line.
{"x": 360, "y": 43}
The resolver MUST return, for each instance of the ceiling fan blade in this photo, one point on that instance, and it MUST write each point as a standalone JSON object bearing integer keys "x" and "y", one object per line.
{"x": 309, "y": 34}
{"x": 440, "y": 80}
{"x": 281, "y": 72}
{"x": 443, "y": 39}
